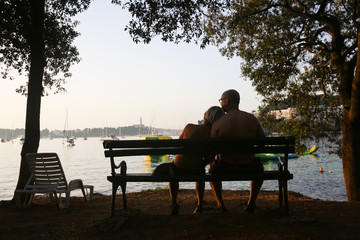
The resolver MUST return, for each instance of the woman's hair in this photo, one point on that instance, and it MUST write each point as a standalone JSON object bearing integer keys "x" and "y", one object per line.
{"x": 213, "y": 114}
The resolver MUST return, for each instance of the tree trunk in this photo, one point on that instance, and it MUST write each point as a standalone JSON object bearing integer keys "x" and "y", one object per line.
{"x": 351, "y": 157}
{"x": 351, "y": 138}
{"x": 37, "y": 64}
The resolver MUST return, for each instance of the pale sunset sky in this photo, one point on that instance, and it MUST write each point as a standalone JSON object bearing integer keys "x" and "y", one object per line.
{"x": 118, "y": 82}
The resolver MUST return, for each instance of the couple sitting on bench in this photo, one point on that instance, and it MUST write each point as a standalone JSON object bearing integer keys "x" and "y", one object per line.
{"x": 217, "y": 124}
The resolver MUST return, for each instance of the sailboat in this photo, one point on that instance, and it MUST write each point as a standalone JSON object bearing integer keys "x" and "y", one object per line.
{"x": 120, "y": 135}
{"x": 153, "y": 135}
{"x": 18, "y": 140}
{"x": 107, "y": 137}
{"x": 69, "y": 141}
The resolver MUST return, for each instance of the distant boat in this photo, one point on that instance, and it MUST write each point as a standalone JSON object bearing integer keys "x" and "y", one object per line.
{"x": 111, "y": 137}
{"x": 69, "y": 141}
{"x": 154, "y": 135}
{"x": 18, "y": 140}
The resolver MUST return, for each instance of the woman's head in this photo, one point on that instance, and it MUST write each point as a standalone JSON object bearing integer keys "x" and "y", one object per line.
{"x": 213, "y": 114}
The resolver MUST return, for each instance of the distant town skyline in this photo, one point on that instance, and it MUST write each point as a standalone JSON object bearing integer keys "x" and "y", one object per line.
{"x": 118, "y": 82}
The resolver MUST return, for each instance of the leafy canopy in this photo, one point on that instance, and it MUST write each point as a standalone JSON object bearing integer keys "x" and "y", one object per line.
{"x": 173, "y": 21}
{"x": 299, "y": 54}
{"x": 59, "y": 34}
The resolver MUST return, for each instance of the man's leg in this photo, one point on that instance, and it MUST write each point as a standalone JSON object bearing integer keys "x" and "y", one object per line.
{"x": 217, "y": 190}
{"x": 200, "y": 188}
{"x": 255, "y": 187}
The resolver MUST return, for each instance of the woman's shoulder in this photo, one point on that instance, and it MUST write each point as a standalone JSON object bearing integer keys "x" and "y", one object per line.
{"x": 196, "y": 131}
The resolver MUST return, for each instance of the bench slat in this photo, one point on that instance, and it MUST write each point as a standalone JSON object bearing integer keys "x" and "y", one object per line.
{"x": 146, "y": 177}
{"x": 195, "y": 150}
{"x": 199, "y": 142}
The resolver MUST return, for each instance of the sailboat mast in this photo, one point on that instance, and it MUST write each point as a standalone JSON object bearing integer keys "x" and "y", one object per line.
{"x": 66, "y": 130}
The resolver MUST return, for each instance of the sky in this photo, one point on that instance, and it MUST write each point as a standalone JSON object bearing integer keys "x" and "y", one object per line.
{"x": 118, "y": 82}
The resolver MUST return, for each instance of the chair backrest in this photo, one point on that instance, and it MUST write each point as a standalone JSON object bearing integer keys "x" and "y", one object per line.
{"x": 46, "y": 169}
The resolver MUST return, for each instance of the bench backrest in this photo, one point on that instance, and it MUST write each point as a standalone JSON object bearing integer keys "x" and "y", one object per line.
{"x": 199, "y": 146}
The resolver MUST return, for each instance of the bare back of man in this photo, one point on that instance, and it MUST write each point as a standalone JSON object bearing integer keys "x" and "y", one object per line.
{"x": 237, "y": 123}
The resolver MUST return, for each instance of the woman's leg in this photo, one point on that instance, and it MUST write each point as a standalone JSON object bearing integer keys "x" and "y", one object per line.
{"x": 200, "y": 188}
{"x": 174, "y": 189}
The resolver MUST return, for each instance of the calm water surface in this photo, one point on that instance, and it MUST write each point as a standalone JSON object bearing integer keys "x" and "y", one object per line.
{"x": 86, "y": 161}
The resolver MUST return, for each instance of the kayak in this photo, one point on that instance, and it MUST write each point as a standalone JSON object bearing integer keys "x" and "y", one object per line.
{"x": 311, "y": 151}
{"x": 274, "y": 156}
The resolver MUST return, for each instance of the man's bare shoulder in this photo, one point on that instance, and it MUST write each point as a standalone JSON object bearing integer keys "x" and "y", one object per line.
{"x": 249, "y": 115}
{"x": 246, "y": 113}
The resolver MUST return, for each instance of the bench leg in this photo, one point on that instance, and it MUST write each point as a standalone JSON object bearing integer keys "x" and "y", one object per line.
{"x": 114, "y": 189}
{"x": 286, "y": 200}
{"x": 280, "y": 197}
{"x": 123, "y": 189}
{"x": 283, "y": 195}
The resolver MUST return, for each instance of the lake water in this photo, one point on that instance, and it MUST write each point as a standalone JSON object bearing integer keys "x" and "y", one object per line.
{"x": 86, "y": 161}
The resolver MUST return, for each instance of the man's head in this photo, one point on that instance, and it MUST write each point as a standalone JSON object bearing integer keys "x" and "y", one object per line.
{"x": 230, "y": 99}
{"x": 213, "y": 114}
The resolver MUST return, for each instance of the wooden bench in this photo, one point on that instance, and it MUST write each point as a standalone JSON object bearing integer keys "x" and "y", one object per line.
{"x": 124, "y": 148}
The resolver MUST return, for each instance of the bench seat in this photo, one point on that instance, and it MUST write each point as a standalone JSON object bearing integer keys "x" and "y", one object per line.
{"x": 146, "y": 177}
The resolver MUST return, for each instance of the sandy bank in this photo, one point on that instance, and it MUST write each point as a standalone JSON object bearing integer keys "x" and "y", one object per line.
{"x": 148, "y": 218}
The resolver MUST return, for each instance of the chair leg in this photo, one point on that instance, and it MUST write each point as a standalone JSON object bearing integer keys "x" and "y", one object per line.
{"x": 60, "y": 200}
{"x": 23, "y": 200}
{"x": 88, "y": 192}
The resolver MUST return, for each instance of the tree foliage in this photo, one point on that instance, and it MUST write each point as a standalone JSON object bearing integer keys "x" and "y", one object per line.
{"x": 288, "y": 48}
{"x": 173, "y": 21}
{"x": 59, "y": 27}
{"x": 298, "y": 52}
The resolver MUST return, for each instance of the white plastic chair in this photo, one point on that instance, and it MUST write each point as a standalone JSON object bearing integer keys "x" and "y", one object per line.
{"x": 47, "y": 177}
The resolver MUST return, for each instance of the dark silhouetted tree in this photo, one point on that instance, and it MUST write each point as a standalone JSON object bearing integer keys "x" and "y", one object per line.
{"x": 36, "y": 41}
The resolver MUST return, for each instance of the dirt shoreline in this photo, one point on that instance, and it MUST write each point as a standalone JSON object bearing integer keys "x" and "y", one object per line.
{"x": 148, "y": 217}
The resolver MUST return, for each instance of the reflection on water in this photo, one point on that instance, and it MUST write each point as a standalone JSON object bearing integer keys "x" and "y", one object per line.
{"x": 153, "y": 161}
{"x": 86, "y": 161}
{"x": 270, "y": 165}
